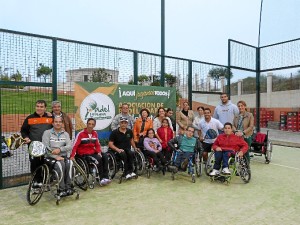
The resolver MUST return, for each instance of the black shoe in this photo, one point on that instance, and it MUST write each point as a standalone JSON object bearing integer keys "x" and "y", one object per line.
{"x": 184, "y": 164}
{"x": 62, "y": 193}
{"x": 173, "y": 169}
{"x": 70, "y": 191}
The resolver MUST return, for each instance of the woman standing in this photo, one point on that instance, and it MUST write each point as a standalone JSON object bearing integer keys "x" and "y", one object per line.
{"x": 185, "y": 117}
{"x": 161, "y": 114}
{"x": 243, "y": 125}
{"x": 197, "y": 119}
{"x": 141, "y": 125}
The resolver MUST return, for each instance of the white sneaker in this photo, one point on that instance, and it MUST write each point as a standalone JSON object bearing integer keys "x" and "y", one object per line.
{"x": 128, "y": 176}
{"x": 226, "y": 171}
{"x": 37, "y": 184}
{"x": 132, "y": 174}
{"x": 103, "y": 182}
{"x": 214, "y": 172}
{"x": 108, "y": 181}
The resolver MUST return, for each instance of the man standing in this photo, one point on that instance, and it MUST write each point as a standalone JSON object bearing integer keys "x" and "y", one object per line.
{"x": 124, "y": 114}
{"x": 67, "y": 122}
{"x": 33, "y": 129}
{"x": 208, "y": 131}
{"x": 120, "y": 141}
{"x": 59, "y": 146}
{"x": 226, "y": 111}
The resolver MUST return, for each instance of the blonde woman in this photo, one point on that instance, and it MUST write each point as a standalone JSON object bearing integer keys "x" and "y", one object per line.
{"x": 243, "y": 124}
{"x": 185, "y": 117}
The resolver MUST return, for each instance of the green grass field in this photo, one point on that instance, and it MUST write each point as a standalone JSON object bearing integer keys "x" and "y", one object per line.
{"x": 271, "y": 197}
{"x": 14, "y": 102}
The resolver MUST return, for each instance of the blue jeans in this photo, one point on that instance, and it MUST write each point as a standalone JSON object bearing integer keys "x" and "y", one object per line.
{"x": 180, "y": 156}
{"x": 222, "y": 157}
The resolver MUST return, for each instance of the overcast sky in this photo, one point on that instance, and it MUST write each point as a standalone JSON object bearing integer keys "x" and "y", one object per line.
{"x": 195, "y": 29}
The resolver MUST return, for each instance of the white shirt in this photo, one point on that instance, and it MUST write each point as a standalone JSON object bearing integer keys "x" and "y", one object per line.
{"x": 212, "y": 124}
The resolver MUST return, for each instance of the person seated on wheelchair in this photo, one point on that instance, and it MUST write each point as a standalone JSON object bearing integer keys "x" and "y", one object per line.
{"x": 87, "y": 144}
{"x": 225, "y": 145}
{"x": 153, "y": 149}
{"x": 186, "y": 145}
{"x": 59, "y": 146}
{"x": 120, "y": 141}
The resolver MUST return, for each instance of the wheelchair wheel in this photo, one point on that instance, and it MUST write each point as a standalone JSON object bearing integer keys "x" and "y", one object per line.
{"x": 112, "y": 164}
{"x": 139, "y": 163}
{"x": 268, "y": 154}
{"x": 193, "y": 178}
{"x": 34, "y": 192}
{"x": 80, "y": 178}
{"x": 198, "y": 164}
{"x": 243, "y": 168}
{"x": 210, "y": 163}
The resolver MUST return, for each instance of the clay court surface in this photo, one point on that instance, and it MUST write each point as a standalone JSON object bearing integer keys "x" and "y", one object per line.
{"x": 271, "y": 197}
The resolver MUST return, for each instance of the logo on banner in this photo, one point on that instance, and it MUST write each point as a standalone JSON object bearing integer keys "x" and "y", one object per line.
{"x": 99, "y": 107}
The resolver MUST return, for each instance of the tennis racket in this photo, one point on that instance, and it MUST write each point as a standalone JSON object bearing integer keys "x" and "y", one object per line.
{"x": 15, "y": 141}
{"x": 211, "y": 134}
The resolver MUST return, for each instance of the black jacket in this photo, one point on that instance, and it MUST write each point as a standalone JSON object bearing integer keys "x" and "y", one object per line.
{"x": 35, "y": 125}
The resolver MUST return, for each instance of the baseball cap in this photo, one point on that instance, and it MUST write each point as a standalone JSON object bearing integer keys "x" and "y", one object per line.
{"x": 123, "y": 119}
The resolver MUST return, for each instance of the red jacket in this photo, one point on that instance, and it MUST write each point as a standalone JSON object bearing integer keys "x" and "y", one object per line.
{"x": 231, "y": 142}
{"x": 85, "y": 144}
{"x": 162, "y": 136}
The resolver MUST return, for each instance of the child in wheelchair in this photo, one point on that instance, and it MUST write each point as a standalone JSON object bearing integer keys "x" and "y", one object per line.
{"x": 225, "y": 145}
{"x": 186, "y": 146}
{"x": 153, "y": 149}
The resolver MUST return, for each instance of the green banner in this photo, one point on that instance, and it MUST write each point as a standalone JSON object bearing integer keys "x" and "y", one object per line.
{"x": 103, "y": 101}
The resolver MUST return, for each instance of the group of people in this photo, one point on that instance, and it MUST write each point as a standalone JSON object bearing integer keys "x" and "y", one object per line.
{"x": 229, "y": 129}
{"x": 54, "y": 130}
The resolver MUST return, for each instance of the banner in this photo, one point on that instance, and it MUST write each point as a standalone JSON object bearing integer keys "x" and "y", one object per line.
{"x": 103, "y": 101}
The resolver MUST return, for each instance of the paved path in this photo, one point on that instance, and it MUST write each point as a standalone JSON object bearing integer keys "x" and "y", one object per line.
{"x": 284, "y": 138}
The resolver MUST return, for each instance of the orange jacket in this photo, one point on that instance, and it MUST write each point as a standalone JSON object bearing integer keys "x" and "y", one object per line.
{"x": 138, "y": 125}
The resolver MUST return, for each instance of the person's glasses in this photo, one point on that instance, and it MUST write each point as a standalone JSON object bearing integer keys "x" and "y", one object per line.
{"x": 190, "y": 130}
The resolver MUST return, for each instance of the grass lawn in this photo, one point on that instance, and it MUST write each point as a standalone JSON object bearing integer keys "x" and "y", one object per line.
{"x": 22, "y": 102}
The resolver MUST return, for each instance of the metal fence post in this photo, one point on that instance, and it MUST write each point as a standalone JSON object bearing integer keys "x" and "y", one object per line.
{"x": 190, "y": 82}
{"x": 1, "y": 176}
{"x": 135, "y": 68}
{"x": 54, "y": 69}
{"x": 257, "y": 89}
{"x": 228, "y": 68}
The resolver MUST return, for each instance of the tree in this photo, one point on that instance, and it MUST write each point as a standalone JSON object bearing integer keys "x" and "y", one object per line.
{"x": 43, "y": 71}
{"x": 100, "y": 75}
{"x": 217, "y": 73}
{"x": 170, "y": 79}
{"x": 155, "y": 80}
{"x": 142, "y": 79}
{"x": 17, "y": 77}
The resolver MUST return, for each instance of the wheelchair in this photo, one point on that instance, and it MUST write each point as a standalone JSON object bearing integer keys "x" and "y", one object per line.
{"x": 89, "y": 166}
{"x": 149, "y": 166}
{"x": 261, "y": 145}
{"x": 194, "y": 166}
{"x": 237, "y": 167}
{"x": 46, "y": 178}
{"x": 115, "y": 164}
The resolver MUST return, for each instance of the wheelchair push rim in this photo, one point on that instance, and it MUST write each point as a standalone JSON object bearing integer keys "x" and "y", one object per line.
{"x": 34, "y": 194}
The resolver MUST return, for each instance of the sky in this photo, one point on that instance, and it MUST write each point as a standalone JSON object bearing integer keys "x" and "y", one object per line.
{"x": 194, "y": 29}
